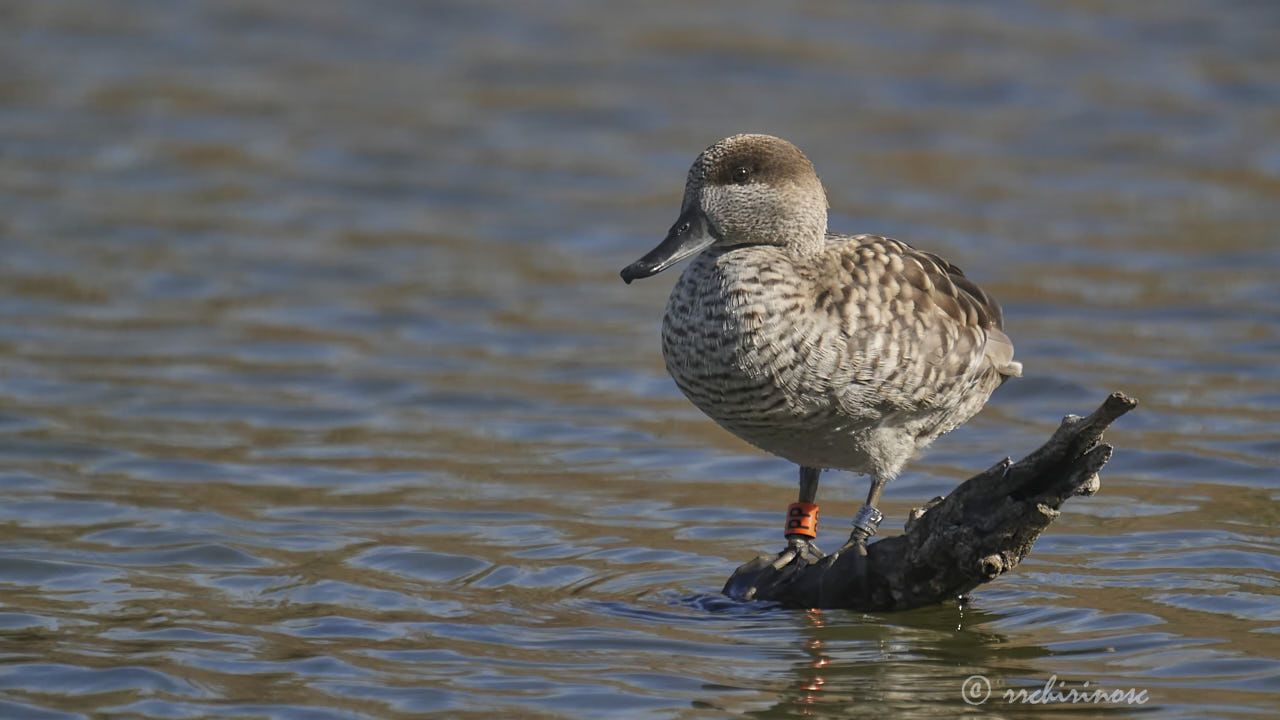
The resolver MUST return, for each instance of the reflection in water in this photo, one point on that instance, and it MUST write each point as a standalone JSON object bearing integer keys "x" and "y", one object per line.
{"x": 903, "y": 667}
{"x": 320, "y": 396}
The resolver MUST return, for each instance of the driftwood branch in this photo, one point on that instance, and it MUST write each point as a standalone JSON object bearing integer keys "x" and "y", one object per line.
{"x": 981, "y": 530}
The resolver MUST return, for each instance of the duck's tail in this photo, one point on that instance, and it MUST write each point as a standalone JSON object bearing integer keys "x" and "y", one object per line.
{"x": 999, "y": 353}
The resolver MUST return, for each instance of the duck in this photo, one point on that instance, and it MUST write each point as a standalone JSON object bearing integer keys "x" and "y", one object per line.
{"x": 832, "y": 351}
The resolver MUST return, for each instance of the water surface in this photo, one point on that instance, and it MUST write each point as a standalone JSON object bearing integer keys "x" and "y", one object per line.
{"x": 320, "y": 396}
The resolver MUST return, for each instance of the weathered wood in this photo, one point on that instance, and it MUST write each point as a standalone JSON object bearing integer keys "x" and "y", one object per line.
{"x": 981, "y": 530}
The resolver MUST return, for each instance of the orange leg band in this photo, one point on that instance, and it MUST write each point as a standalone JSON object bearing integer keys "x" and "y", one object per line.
{"x": 802, "y": 519}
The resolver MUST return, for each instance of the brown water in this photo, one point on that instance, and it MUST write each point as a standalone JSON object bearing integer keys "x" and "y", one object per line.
{"x": 320, "y": 396}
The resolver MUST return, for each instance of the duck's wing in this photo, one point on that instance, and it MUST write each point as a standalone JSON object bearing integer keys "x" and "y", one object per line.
{"x": 984, "y": 307}
{"x": 916, "y": 331}
{"x": 979, "y": 308}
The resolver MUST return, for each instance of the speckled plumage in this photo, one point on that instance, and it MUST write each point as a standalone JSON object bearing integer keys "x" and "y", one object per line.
{"x": 831, "y": 351}
{"x": 854, "y": 359}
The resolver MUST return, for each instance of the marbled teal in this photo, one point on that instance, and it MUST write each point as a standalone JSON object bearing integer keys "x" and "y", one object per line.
{"x": 832, "y": 351}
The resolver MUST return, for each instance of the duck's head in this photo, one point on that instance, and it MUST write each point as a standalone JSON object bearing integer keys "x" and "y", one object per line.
{"x": 744, "y": 190}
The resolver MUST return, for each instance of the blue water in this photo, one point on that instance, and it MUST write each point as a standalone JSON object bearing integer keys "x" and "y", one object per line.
{"x": 320, "y": 396}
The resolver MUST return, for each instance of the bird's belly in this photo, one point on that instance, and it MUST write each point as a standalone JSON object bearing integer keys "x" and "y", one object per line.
{"x": 808, "y": 441}
{"x": 795, "y": 411}
{"x": 767, "y": 407}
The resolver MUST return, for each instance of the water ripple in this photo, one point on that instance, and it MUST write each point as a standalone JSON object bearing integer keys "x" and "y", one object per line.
{"x": 322, "y": 398}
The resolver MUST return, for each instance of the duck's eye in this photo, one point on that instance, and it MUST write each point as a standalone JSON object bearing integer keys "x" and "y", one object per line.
{"x": 741, "y": 174}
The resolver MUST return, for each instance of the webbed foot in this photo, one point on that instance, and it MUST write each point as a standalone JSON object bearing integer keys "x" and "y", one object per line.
{"x": 801, "y": 549}
{"x": 865, "y": 524}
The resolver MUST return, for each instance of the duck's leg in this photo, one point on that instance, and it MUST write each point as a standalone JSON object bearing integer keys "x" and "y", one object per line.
{"x": 802, "y": 522}
{"x": 868, "y": 518}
